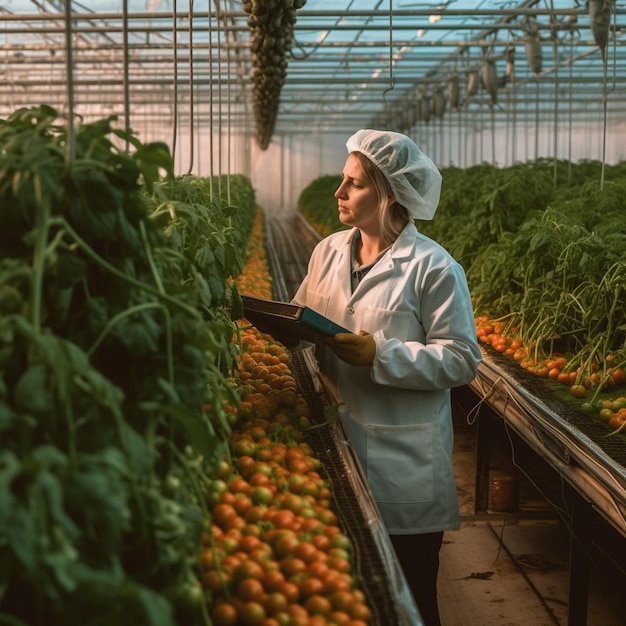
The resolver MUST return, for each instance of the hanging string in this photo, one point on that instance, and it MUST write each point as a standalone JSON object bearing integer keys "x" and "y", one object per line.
{"x": 604, "y": 115}
{"x": 210, "y": 30}
{"x": 229, "y": 100}
{"x": 571, "y": 108}
{"x": 512, "y": 108}
{"x": 555, "y": 122}
{"x": 219, "y": 97}
{"x": 191, "y": 112}
{"x": 605, "y": 90}
{"x": 536, "y": 118}
{"x": 70, "y": 147}
{"x": 228, "y": 107}
{"x": 175, "y": 105}
{"x": 125, "y": 72}
{"x": 555, "y": 137}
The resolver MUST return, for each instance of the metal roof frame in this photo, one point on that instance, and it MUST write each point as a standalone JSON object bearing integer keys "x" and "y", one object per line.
{"x": 176, "y": 66}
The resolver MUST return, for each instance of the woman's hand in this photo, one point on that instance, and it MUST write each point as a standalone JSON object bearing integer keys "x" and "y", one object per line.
{"x": 353, "y": 349}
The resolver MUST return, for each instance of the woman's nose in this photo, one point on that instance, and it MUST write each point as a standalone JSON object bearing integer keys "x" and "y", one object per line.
{"x": 340, "y": 191}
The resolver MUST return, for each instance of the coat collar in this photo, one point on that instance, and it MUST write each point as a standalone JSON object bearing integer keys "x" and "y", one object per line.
{"x": 403, "y": 247}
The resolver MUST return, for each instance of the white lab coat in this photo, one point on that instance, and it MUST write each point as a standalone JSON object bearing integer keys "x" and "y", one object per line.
{"x": 397, "y": 413}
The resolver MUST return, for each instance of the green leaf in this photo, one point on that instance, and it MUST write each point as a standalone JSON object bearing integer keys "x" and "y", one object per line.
{"x": 198, "y": 428}
{"x": 32, "y": 391}
{"x": 18, "y": 530}
{"x": 236, "y": 312}
{"x": 139, "y": 333}
{"x": 141, "y": 456}
{"x": 108, "y": 598}
{"x": 151, "y": 159}
{"x": 97, "y": 497}
{"x": 7, "y": 416}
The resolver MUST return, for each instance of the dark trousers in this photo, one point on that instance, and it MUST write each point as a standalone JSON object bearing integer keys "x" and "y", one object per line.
{"x": 419, "y": 557}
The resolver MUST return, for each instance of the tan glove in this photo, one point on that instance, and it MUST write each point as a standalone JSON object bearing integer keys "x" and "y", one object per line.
{"x": 354, "y": 349}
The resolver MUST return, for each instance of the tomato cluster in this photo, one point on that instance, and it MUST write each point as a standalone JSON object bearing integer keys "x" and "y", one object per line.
{"x": 275, "y": 554}
{"x": 579, "y": 377}
{"x": 256, "y": 280}
{"x": 613, "y": 412}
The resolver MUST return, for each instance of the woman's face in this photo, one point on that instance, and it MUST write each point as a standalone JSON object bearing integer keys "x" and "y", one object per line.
{"x": 357, "y": 198}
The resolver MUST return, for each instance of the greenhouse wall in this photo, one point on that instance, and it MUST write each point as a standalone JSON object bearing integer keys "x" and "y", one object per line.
{"x": 291, "y": 162}
{"x": 281, "y": 172}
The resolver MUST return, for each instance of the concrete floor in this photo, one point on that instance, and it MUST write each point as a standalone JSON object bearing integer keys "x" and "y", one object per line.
{"x": 513, "y": 569}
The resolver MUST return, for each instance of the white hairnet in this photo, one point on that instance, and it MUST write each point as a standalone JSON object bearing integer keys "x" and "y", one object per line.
{"x": 414, "y": 179}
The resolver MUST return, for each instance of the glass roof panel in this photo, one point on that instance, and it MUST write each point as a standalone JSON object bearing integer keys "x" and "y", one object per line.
{"x": 352, "y": 63}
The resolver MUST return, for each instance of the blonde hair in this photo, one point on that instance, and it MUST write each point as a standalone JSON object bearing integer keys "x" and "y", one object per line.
{"x": 393, "y": 217}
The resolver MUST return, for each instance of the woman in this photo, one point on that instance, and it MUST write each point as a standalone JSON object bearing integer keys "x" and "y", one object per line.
{"x": 407, "y": 302}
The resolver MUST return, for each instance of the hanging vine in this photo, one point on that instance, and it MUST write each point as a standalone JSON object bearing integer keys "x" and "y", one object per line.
{"x": 271, "y": 25}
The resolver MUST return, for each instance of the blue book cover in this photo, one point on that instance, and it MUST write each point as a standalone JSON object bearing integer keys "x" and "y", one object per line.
{"x": 298, "y": 320}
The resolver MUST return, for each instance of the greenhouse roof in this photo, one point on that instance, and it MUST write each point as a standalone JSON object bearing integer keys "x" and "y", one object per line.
{"x": 345, "y": 63}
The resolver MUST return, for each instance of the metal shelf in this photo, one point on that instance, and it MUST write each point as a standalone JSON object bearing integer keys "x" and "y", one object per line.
{"x": 575, "y": 446}
{"x": 379, "y": 573}
{"x": 587, "y": 460}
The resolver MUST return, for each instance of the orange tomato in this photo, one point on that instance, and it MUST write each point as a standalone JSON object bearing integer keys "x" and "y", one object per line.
{"x": 291, "y": 591}
{"x": 275, "y": 602}
{"x": 554, "y": 373}
{"x": 342, "y": 600}
{"x": 248, "y": 570}
{"x": 223, "y": 514}
{"x": 318, "y": 604}
{"x": 618, "y": 375}
{"x": 290, "y": 566}
{"x": 310, "y": 586}
{"x": 272, "y": 580}
{"x": 360, "y": 611}
{"x": 563, "y": 378}
{"x": 251, "y": 613}
{"x": 251, "y": 589}
{"x": 224, "y": 614}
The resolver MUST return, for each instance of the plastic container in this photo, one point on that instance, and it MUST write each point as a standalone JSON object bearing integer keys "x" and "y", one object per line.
{"x": 504, "y": 494}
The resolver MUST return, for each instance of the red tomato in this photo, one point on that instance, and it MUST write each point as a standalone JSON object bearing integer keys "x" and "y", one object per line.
{"x": 291, "y": 566}
{"x": 272, "y": 580}
{"x": 275, "y": 602}
{"x": 239, "y": 485}
{"x": 284, "y": 518}
{"x": 251, "y": 614}
{"x": 311, "y": 586}
{"x": 249, "y": 570}
{"x": 318, "y": 569}
{"x": 223, "y": 514}
{"x": 318, "y": 605}
{"x": 290, "y": 591}
{"x": 306, "y": 551}
{"x": 251, "y": 589}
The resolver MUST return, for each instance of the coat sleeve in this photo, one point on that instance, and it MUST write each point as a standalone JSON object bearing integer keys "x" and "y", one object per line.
{"x": 450, "y": 355}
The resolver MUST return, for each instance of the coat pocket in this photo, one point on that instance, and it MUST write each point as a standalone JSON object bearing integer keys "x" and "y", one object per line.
{"x": 318, "y": 302}
{"x": 394, "y": 324}
{"x": 399, "y": 463}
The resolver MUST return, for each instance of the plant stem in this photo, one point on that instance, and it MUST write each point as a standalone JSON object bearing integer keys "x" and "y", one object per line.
{"x": 121, "y": 275}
